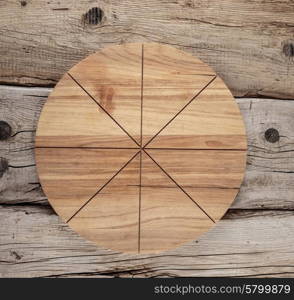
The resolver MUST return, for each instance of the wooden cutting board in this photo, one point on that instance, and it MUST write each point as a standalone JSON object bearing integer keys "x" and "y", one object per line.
{"x": 141, "y": 148}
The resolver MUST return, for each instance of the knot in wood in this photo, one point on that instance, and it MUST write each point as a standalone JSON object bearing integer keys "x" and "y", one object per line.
{"x": 5, "y": 130}
{"x": 94, "y": 16}
{"x": 3, "y": 166}
{"x": 272, "y": 135}
{"x": 288, "y": 49}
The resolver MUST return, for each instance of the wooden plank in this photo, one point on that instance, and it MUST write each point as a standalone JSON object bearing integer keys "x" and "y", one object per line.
{"x": 111, "y": 218}
{"x": 70, "y": 177}
{"x": 249, "y": 44}
{"x": 20, "y": 108}
{"x": 269, "y": 174}
{"x": 71, "y": 118}
{"x": 270, "y": 164}
{"x": 212, "y": 120}
{"x": 252, "y": 243}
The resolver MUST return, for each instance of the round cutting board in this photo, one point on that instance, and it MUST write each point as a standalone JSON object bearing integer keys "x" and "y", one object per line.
{"x": 141, "y": 148}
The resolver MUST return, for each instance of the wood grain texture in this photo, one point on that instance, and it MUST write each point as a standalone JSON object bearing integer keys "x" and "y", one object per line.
{"x": 252, "y": 243}
{"x": 70, "y": 118}
{"x": 212, "y": 120}
{"x": 247, "y": 43}
{"x": 167, "y": 66}
{"x": 168, "y": 217}
{"x": 214, "y": 201}
{"x": 20, "y": 108}
{"x": 111, "y": 219}
{"x": 203, "y": 168}
{"x": 269, "y": 171}
{"x": 70, "y": 177}
{"x": 113, "y": 77}
{"x": 171, "y": 78}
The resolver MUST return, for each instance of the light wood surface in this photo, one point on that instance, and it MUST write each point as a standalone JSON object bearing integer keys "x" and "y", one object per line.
{"x": 71, "y": 118}
{"x": 169, "y": 217}
{"x": 112, "y": 217}
{"x": 71, "y": 176}
{"x": 113, "y": 77}
{"x": 178, "y": 98}
{"x": 171, "y": 80}
{"x": 212, "y": 121}
{"x": 215, "y": 201}
{"x": 203, "y": 168}
{"x": 211, "y": 178}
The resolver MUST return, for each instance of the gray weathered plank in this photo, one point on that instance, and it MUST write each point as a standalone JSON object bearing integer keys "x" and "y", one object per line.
{"x": 270, "y": 166}
{"x": 252, "y": 243}
{"x": 20, "y": 108}
{"x": 249, "y": 43}
{"x": 270, "y": 170}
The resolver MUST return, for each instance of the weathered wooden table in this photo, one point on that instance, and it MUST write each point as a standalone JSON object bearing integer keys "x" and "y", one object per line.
{"x": 251, "y": 46}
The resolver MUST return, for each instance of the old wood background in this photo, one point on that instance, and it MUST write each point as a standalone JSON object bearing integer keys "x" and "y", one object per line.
{"x": 250, "y": 43}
